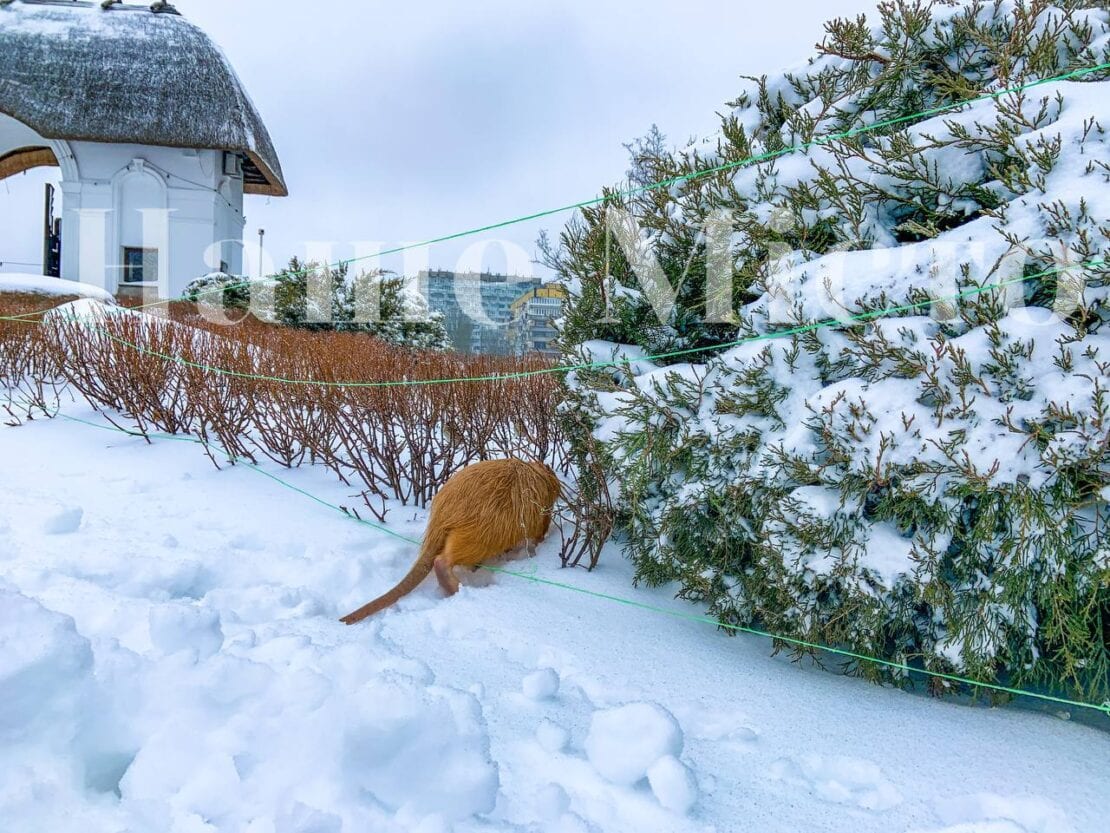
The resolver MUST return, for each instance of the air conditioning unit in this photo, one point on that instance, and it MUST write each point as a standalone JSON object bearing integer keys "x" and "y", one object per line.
{"x": 233, "y": 164}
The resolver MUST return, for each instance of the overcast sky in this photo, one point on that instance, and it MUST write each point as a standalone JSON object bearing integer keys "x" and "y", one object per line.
{"x": 400, "y": 122}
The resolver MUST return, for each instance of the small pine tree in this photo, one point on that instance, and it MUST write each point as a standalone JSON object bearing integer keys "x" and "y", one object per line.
{"x": 319, "y": 297}
{"x": 233, "y": 292}
{"x": 929, "y": 486}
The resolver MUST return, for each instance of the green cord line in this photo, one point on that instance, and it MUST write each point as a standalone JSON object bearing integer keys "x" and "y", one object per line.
{"x": 1104, "y": 708}
{"x": 666, "y": 183}
{"x": 235, "y": 460}
{"x": 524, "y": 374}
{"x": 801, "y": 643}
{"x": 751, "y": 160}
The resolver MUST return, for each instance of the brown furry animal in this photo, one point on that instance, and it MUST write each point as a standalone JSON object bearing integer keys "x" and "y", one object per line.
{"x": 482, "y": 511}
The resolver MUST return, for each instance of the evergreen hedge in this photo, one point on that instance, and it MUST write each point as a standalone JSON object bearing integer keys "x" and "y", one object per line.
{"x": 927, "y": 486}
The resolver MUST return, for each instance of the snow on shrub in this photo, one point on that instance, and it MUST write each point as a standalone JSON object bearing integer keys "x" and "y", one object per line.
{"x": 220, "y": 289}
{"x": 925, "y": 484}
{"x": 320, "y": 297}
{"x": 42, "y": 287}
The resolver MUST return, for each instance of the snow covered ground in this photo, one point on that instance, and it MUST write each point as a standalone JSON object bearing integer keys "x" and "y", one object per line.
{"x": 170, "y": 660}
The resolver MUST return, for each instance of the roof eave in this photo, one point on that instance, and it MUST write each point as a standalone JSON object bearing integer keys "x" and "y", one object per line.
{"x": 275, "y": 185}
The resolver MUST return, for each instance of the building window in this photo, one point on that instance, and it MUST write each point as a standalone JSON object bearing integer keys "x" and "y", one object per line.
{"x": 140, "y": 265}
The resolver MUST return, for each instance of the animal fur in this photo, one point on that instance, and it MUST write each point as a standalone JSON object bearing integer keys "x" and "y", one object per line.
{"x": 484, "y": 510}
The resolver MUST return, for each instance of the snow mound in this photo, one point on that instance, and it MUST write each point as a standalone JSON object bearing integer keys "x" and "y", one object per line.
{"x": 623, "y": 743}
{"x": 541, "y": 685}
{"x": 552, "y": 801}
{"x": 44, "y": 664}
{"x": 40, "y": 285}
{"x": 673, "y": 784}
{"x": 422, "y": 748}
{"x": 552, "y": 737}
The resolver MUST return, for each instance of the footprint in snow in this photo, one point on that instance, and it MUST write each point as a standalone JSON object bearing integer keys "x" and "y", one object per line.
{"x": 993, "y": 826}
{"x": 840, "y": 780}
{"x": 64, "y": 522}
{"x": 990, "y": 813}
{"x": 716, "y": 725}
{"x": 246, "y": 542}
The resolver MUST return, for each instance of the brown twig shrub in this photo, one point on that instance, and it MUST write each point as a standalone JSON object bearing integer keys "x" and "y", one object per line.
{"x": 30, "y": 380}
{"x": 359, "y": 406}
{"x": 347, "y": 401}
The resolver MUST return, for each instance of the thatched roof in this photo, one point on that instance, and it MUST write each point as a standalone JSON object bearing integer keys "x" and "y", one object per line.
{"x": 74, "y": 71}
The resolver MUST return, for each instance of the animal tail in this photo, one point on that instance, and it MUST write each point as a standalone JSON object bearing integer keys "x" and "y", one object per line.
{"x": 429, "y": 550}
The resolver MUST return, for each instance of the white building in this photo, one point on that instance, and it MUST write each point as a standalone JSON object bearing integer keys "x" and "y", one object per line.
{"x": 156, "y": 139}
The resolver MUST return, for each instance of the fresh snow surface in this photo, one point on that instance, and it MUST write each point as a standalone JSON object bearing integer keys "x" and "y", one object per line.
{"x": 170, "y": 660}
{"x": 39, "y": 285}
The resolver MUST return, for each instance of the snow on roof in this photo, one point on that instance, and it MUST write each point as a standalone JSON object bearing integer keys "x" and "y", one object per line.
{"x": 126, "y": 75}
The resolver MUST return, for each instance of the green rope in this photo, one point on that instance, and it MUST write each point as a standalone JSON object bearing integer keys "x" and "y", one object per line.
{"x": 728, "y": 166}
{"x": 524, "y": 374}
{"x": 666, "y": 183}
{"x": 801, "y": 643}
{"x": 1104, "y": 708}
{"x": 677, "y": 614}
{"x": 235, "y": 460}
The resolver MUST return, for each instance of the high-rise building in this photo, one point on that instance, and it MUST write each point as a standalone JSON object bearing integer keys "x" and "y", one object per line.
{"x": 475, "y": 306}
{"x": 533, "y": 315}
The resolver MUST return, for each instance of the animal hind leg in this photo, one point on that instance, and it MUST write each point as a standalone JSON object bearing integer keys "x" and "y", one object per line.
{"x": 444, "y": 566}
{"x": 531, "y": 543}
{"x": 445, "y": 574}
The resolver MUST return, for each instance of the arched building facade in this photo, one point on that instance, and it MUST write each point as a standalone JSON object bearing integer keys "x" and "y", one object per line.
{"x": 156, "y": 140}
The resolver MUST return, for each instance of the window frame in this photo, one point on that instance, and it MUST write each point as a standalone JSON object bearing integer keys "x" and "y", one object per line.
{"x": 128, "y": 267}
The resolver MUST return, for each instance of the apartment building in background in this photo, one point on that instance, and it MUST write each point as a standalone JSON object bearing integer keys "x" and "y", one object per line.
{"x": 532, "y": 317}
{"x": 476, "y": 306}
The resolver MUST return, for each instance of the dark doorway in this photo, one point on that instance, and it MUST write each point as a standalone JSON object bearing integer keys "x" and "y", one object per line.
{"x": 52, "y": 238}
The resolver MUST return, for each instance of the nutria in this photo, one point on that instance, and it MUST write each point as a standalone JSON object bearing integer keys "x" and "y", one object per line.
{"x": 484, "y": 510}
